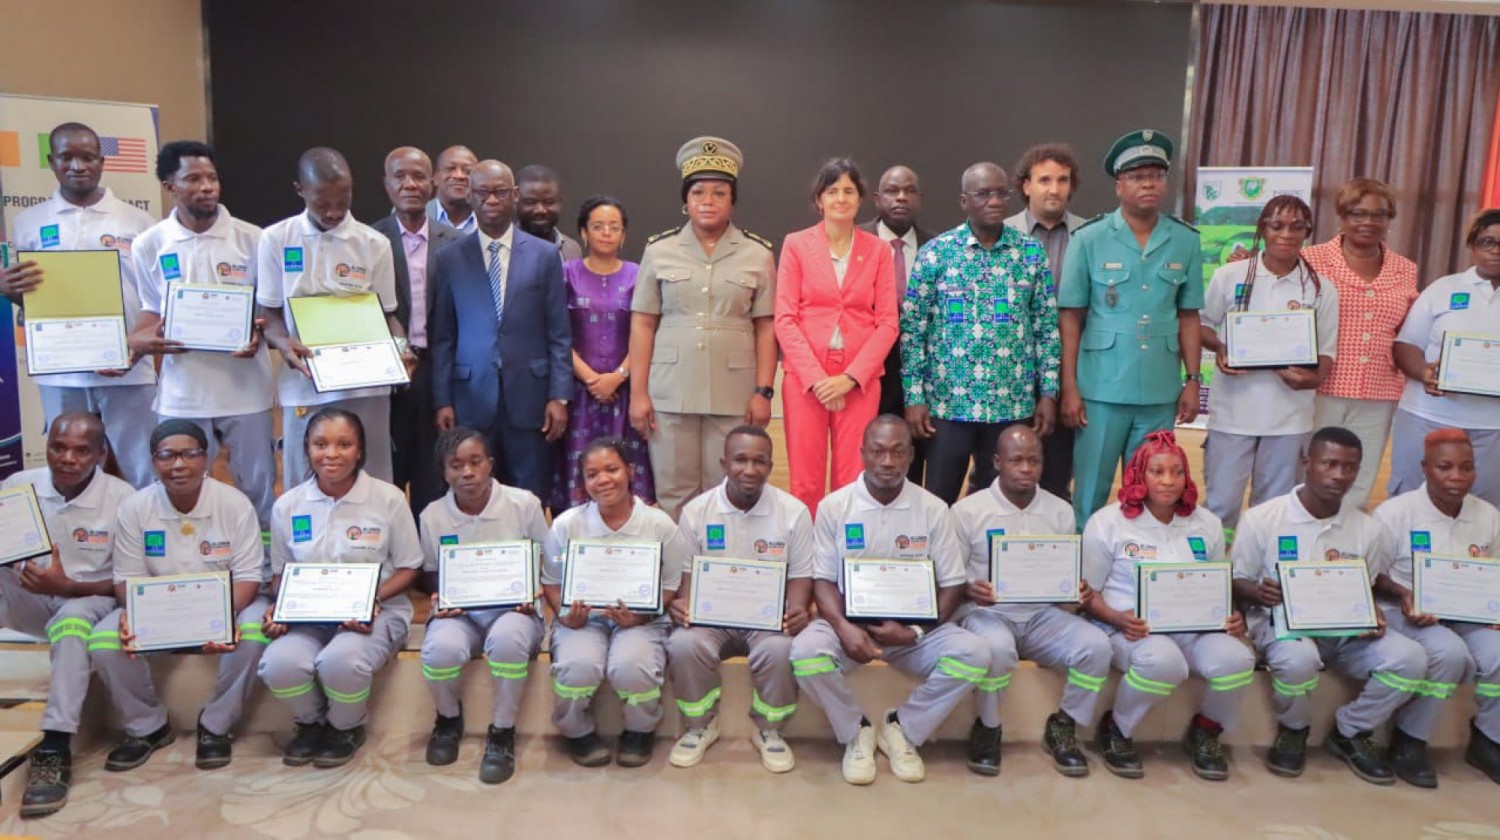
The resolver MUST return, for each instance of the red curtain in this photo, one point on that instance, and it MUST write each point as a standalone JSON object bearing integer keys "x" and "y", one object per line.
{"x": 1492, "y": 169}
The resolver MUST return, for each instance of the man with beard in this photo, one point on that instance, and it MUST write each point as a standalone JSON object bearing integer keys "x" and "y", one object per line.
{"x": 539, "y": 208}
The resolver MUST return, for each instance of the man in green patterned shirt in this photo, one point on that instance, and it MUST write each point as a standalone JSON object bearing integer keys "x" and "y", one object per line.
{"x": 978, "y": 332}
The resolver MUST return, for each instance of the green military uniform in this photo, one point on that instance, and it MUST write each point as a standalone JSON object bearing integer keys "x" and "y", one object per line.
{"x": 1129, "y": 368}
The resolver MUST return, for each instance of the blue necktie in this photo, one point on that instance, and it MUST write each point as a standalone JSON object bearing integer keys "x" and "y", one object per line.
{"x": 495, "y": 281}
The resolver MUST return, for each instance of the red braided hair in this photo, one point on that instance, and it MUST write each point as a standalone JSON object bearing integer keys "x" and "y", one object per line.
{"x": 1132, "y": 493}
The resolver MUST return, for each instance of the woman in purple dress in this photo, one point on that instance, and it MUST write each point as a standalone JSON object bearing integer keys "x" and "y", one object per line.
{"x": 599, "y": 290}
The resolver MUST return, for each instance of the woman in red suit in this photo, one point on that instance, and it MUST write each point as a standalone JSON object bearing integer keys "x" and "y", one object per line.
{"x": 836, "y": 319}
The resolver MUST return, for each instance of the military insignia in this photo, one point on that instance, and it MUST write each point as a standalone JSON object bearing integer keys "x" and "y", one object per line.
{"x": 1180, "y": 222}
{"x": 663, "y": 235}
{"x": 710, "y": 148}
{"x": 1089, "y": 222}
{"x": 1212, "y": 190}
{"x": 755, "y": 237}
{"x": 188, "y": 530}
{"x": 1147, "y": 135}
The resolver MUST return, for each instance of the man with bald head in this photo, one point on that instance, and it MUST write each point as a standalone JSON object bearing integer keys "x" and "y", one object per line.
{"x": 451, "y": 203}
{"x": 502, "y": 346}
{"x": 324, "y": 251}
{"x": 415, "y": 241}
{"x": 540, "y": 208}
{"x": 979, "y": 342}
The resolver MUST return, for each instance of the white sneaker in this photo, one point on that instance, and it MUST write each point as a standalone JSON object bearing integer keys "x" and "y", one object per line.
{"x": 694, "y": 744}
{"x": 859, "y": 757}
{"x": 775, "y": 754}
{"x": 905, "y": 762}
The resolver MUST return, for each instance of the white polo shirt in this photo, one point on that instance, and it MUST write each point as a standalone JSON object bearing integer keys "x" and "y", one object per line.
{"x": 201, "y": 383}
{"x": 296, "y": 259}
{"x": 220, "y": 534}
{"x": 83, "y": 529}
{"x": 370, "y": 524}
{"x": 977, "y": 516}
{"x": 777, "y": 528}
{"x": 1112, "y": 545}
{"x": 646, "y": 524}
{"x": 916, "y": 525}
{"x": 511, "y": 514}
{"x": 1457, "y": 303}
{"x": 1257, "y": 402}
{"x": 1414, "y": 524}
{"x": 57, "y": 225}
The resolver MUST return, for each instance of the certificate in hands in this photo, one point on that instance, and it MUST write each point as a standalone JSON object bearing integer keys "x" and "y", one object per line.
{"x": 180, "y": 611}
{"x": 1271, "y": 339}
{"x": 900, "y": 590}
{"x": 209, "y": 317}
{"x": 23, "y": 531}
{"x": 486, "y": 575}
{"x": 75, "y": 320}
{"x": 1183, "y": 597}
{"x": 603, "y": 573}
{"x": 1330, "y": 598}
{"x": 350, "y": 340}
{"x": 326, "y": 593}
{"x": 1035, "y": 569}
{"x": 1457, "y": 588}
{"x": 744, "y": 594}
{"x": 1470, "y": 364}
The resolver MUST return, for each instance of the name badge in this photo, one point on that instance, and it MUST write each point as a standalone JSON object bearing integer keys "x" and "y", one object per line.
{"x": 854, "y": 535}
{"x": 1199, "y": 549}
{"x": 1286, "y": 548}
{"x": 1112, "y": 266}
{"x": 171, "y": 268}
{"x": 155, "y": 543}
{"x": 713, "y": 537}
{"x": 1174, "y": 266}
{"x": 51, "y": 237}
{"x": 1002, "y": 311}
{"x": 954, "y": 309}
{"x": 1458, "y": 301}
{"x": 448, "y": 539}
{"x": 291, "y": 259}
{"x": 1421, "y": 541}
{"x": 302, "y": 528}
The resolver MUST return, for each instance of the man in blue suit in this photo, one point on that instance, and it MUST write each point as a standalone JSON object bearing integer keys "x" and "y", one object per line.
{"x": 499, "y": 334}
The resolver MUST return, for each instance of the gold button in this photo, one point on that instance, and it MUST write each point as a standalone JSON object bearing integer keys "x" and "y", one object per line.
{"x": 1370, "y": 293}
{"x": 1369, "y": 316}
{"x": 1365, "y": 337}
{"x": 1363, "y": 359}
{"x": 1145, "y": 347}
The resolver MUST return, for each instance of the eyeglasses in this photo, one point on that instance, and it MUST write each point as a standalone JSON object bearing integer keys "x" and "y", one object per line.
{"x": 501, "y": 193}
{"x": 1377, "y": 216}
{"x": 167, "y": 456}
{"x": 1144, "y": 176}
{"x": 1488, "y": 244}
{"x": 605, "y": 227}
{"x": 984, "y": 196}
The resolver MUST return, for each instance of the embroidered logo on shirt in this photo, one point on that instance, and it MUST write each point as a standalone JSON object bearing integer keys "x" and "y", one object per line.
{"x": 171, "y": 268}
{"x": 51, "y": 236}
{"x": 1286, "y": 548}
{"x": 155, "y": 543}
{"x": 345, "y": 271}
{"x": 231, "y": 271}
{"x": 771, "y": 548}
{"x": 301, "y": 529}
{"x": 1140, "y": 551}
{"x": 1199, "y": 549}
{"x": 214, "y": 548}
{"x": 713, "y": 537}
{"x": 90, "y": 536}
{"x": 1334, "y": 554}
{"x": 1421, "y": 541}
{"x": 448, "y": 539}
{"x": 854, "y": 535}
{"x": 367, "y": 533}
{"x": 1458, "y": 300}
{"x": 291, "y": 259}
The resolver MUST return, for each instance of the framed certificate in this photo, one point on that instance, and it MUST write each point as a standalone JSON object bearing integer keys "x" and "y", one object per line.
{"x": 1271, "y": 339}
{"x": 603, "y": 573}
{"x": 1470, "y": 364}
{"x": 480, "y": 575}
{"x": 901, "y": 590}
{"x": 1457, "y": 588}
{"x": 341, "y": 367}
{"x": 23, "y": 531}
{"x": 180, "y": 611}
{"x": 744, "y": 594}
{"x": 75, "y": 345}
{"x": 1035, "y": 569}
{"x": 326, "y": 593}
{"x": 75, "y": 320}
{"x": 350, "y": 341}
{"x": 1183, "y": 597}
{"x": 1330, "y": 598}
{"x": 215, "y": 317}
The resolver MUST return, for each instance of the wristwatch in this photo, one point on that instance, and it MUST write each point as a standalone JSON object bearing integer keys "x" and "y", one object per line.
{"x": 624, "y": 372}
{"x": 917, "y": 629}
{"x": 765, "y": 391}
{"x": 1194, "y": 377}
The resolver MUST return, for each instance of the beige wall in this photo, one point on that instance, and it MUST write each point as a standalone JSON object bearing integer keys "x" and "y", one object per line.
{"x": 147, "y": 51}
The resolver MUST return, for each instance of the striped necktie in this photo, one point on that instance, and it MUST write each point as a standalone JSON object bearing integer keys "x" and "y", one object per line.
{"x": 495, "y": 281}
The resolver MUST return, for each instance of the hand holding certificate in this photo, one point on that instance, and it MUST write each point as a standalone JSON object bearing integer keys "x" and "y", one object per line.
{"x": 1457, "y": 588}
{"x": 1326, "y": 598}
{"x": 209, "y": 317}
{"x": 179, "y": 611}
{"x": 487, "y": 575}
{"x": 350, "y": 342}
{"x": 23, "y": 532}
{"x": 1271, "y": 339}
{"x": 75, "y": 320}
{"x": 327, "y": 593}
{"x": 1183, "y": 597}
{"x": 900, "y": 590}
{"x": 1035, "y": 569}
{"x": 603, "y": 573}
{"x": 745, "y": 594}
{"x": 1470, "y": 364}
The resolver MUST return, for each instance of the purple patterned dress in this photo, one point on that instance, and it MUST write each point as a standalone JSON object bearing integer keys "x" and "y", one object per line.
{"x": 599, "y": 311}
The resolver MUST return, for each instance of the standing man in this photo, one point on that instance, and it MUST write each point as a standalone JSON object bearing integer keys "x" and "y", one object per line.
{"x": 227, "y": 395}
{"x": 324, "y": 251}
{"x": 978, "y": 336}
{"x": 451, "y": 204}
{"x": 1129, "y": 296}
{"x": 541, "y": 207}
{"x": 415, "y": 242}
{"x": 1048, "y": 176}
{"x": 898, "y": 200}
{"x": 80, "y": 216}
{"x": 502, "y": 346}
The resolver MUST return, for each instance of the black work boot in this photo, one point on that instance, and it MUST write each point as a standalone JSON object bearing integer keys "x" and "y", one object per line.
{"x": 47, "y": 783}
{"x": 588, "y": 750}
{"x": 1483, "y": 754}
{"x": 984, "y": 749}
{"x": 1362, "y": 756}
{"x": 133, "y": 752}
{"x": 1061, "y": 742}
{"x": 305, "y": 740}
{"x": 499, "y": 761}
{"x": 1409, "y": 760}
{"x": 1288, "y": 753}
{"x": 1120, "y": 756}
{"x": 1203, "y": 747}
{"x": 442, "y": 746}
{"x": 338, "y": 746}
{"x": 214, "y": 751}
{"x": 635, "y": 748}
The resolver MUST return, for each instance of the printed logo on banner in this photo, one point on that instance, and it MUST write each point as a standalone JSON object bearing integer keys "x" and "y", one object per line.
{"x": 1251, "y": 188}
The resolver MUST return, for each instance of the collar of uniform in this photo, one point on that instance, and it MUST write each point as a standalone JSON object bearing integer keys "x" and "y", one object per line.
{"x": 507, "y": 239}
{"x": 1280, "y": 278}
{"x": 356, "y": 495}
{"x": 762, "y": 506}
{"x": 1466, "y": 513}
{"x": 89, "y": 498}
{"x": 340, "y": 231}
{"x": 103, "y": 205}
{"x": 864, "y": 501}
{"x": 1298, "y": 513}
{"x": 178, "y": 232}
{"x": 166, "y": 512}
{"x": 732, "y": 236}
{"x": 491, "y": 508}
{"x": 632, "y": 526}
{"x": 1006, "y": 505}
{"x": 1470, "y": 277}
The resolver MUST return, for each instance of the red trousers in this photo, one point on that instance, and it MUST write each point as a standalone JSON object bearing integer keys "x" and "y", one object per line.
{"x": 812, "y": 430}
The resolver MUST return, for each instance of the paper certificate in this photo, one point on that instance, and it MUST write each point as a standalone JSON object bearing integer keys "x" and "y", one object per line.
{"x": 480, "y": 575}
{"x": 75, "y": 320}
{"x": 327, "y": 593}
{"x": 1457, "y": 588}
{"x": 75, "y": 345}
{"x": 1035, "y": 569}
{"x": 746, "y": 594}
{"x": 1271, "y": 339}
{"x": 209, "y": 317}
{"x": 902, "y": 590}
{"x": 603, "y": 573}
{"x": 1327, "y": 597}
{"x": 23, "y": 531}
{"x": 350, "y": 341}
{"x": 1470, "y": 364}
{"x": 180, "y": 611}
{"x": 343, "y": 366}
{"x": 1183, "y": 597}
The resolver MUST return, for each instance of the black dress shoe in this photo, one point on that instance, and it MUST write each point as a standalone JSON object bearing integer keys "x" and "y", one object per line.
{"x": 984, "y": 749}
{"x": 442, "y": 747}
{"x": 47, "y": 783}
{"x": 635, "y": 748}
{"x": 1061, "y": 742}
{"x": 305, "y": 740}
{"x": 214, "y": 751}
{"x": 1203, "y": 747}
{"x": 499, "y": 761}
{"x": 1288, "y": 753}
{"x": 1409, "y": 760}
{"x": 1362, "y": 756}
{"x": 133, "y": 751}
{"x": 587, "y": 750}
{"x": 1120, "y": 757}
{"x": 338, "y": 746}
{"x": 1483, "y": 754}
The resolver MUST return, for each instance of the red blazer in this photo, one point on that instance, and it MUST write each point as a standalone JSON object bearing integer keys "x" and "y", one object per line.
{"x": 809, "y": 302}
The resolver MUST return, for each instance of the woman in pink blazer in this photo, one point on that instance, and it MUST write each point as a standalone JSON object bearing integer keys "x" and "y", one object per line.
{"x": 836, "y": 319}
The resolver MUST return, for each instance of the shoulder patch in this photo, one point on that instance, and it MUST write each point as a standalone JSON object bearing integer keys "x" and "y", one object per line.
{"x": 663, "y": 235}
{"x": 1089, "y": 222}
{"x": 755, "y": 237}
{"x": 1180, "y": 222}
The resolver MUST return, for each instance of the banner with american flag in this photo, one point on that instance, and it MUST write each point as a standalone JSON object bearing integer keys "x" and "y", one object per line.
{"x": 123, "y": 154}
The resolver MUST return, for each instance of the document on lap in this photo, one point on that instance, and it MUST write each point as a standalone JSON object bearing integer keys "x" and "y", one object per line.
{"x": 326, "y": 593}
{"x": 1324, "y": 599}
{"x": 180, "y": 611}
{"x": 738, "y": 593}
{"x": 1183, "y": 597}
{"x": 604, "y": 573}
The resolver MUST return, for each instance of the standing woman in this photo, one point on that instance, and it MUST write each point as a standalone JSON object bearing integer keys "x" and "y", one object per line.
{"x": 702, "y": 341}
{"x": 1467, "y": 302}
{"x": 1376, "y": 286}
{"x": 600, "y": 287}
{"x": 340, "y": 515}
{"x": 836, "y": 320}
